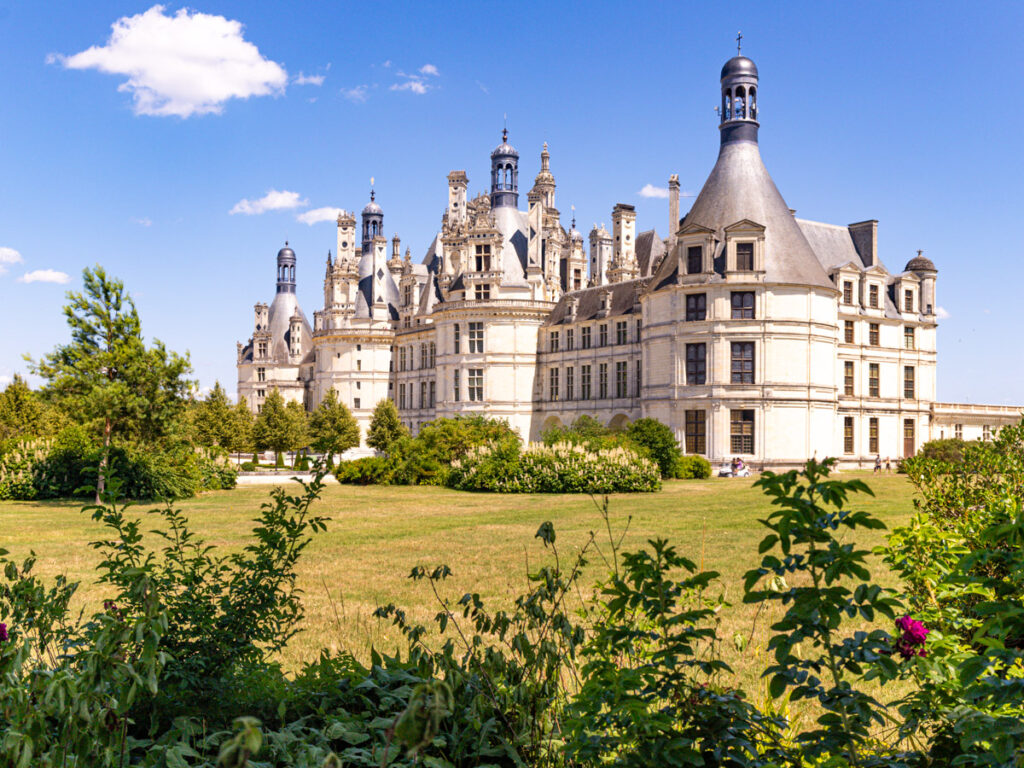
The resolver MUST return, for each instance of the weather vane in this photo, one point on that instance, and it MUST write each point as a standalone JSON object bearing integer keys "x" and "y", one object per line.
{"x": 739, "y": 42}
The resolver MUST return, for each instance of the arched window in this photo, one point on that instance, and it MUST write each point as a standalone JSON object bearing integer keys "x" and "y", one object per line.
{"x": 741, "y": 102}
{"x": 753, "y": 103}
{"x": 728, "y": 104}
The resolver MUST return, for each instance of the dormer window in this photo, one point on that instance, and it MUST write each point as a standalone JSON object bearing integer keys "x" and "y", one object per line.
{"x": 744, "y": 257}
{"x": 694, "y": 259}
{"x": 847, "y": 292}
{"x": 483, "y": 258}
{"x": 908, "y": 300}
{"x": 873, "y": 296}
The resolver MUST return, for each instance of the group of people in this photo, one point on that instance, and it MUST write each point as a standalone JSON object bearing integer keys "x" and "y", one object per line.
{"x": 737, "y": 464}
{"x": 878, "y": 465}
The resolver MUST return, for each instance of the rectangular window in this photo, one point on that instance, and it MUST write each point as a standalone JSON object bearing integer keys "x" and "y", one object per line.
{"x": 848, "y": 331}
{"x": 742, "y": 362}
{"x": 696, "y": 432}
{"x": 848, "y": 377}
{"x": 847, "y": 292}
{"x": 908, "y": 382}
{"x": 694, "y": 259}
{"x": 873, "y": 334}
{"x": 433, "y": 354}
{"x": 585, "y": 337}
{"x": 909, "y": 442}
{"x": 476, "y": 385}
{"x": 401, "y": 358}
{"x": 602, "y": 381}
{"x": 423, "y": 394}
{"x": 553, "y": 341}
{"x": 577, "y": 279}
{"x": 873, "y": 296}
{"x": 401, "y": 396}
{"x": 553, "y": 385}
{"x": 638, "y": 377}
{"x": 261, "y": 374}
{"x": 476, "y": 338}
{"x": 742, "y": 305}
{"x": 873, "y": 435}
{"x": 261, "y": 393}
{"x": 433, "y": 393}
{"x": 621, "y": 379}
{"x": 457, "y": 386}
{"x": 482, "y": 291}
{"x": 621, "y": 333}
{"x": 873, "y": 387}
{"x": 355, "y": 403}
{"x": 696, "y": 363}
{"x": 986, "y": 432}
{"x": 742, "y": 431}
{"x": 744, "y": 257}
{"x": 908, "y": 338}
{"x": 602, "y": 335}
{"x": 848, "y": 434}
{"x": 696, "y": 306}
{"x": 261, "y": 349}
{"x": 423, "y": 355}
{"x": 958, "y": 431}
{"x": 359, "y": 365}
{"x": 570, "y": 340}
{"x": 584, "y": 382}
{"x": 908, "y": 301}
{"x": 456, "y": 339}
{"x": 570, "y": 382}
{"x": 483, "y": 258}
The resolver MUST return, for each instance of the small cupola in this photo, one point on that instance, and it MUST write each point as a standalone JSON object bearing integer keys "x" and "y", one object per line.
{"x": 738, "y": 114}
{"x": 286, "y": 270}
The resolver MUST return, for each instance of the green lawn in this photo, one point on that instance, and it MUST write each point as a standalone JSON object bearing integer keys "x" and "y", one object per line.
{"x": 376, "y": 536}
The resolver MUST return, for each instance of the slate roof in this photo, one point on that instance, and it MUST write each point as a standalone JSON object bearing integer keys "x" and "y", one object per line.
{"x": 650, "y": 250}
{"x": 625, "y": 301}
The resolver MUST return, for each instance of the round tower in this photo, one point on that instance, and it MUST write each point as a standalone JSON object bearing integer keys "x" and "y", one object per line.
{"x": 286, "y": 270}
{"x": 925, "y": 269}
{"x": 373, "y": 221}
{"x": 738, "y": 113}
{"x": 504, "y": 174}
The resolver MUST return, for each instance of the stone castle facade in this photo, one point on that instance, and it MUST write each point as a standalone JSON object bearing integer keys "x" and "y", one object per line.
{"x": 748, "y": 331}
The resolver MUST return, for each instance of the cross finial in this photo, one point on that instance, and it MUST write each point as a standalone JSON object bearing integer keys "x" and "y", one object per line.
{"x": 739, "y": 42}
{"x": 573, "y": 207}
{"x": 504, "y": 130}
{"x": 919, "y": 252}
{"x": 373, "y": 194}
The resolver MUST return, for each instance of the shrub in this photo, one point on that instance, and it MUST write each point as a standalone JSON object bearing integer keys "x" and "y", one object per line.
{"x": 659, "y": 441}
{"x": 372, "y": 470}
{"x": 691, "y": 468}
{"x": 248, "y": 466}
{"x": 562, "y": 468}
{"x": 948, "y": 449}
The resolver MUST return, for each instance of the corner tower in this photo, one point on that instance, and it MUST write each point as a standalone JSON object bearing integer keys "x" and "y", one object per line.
{"x": 504, "y": 174}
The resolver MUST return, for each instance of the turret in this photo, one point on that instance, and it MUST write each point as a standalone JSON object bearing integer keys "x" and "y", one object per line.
{"x": 504, "y": 174}
{"x": 286, "y": 270}
{"x": 346, "y": 238}
{"x": 262, "y": 312}
{"x": 295, "y": 335}
{"x": 458, "y": 182}
{"x": 925, "y": 269}
{"x": 624, "y": 265}
{"x": 738, "y": 113}
{"x": 373, "y": 221}
{"x": 576, "y": 264}
{"x": 545, "y": 181}
{"x": 395, "y": 262}
{"x": 600, "y": 255}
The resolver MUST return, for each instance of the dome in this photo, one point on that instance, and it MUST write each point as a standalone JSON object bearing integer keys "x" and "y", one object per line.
{"x": 504, "y": 149}
{"x": 372, "y": 209}
{"x": 739, "y": 65}
{"x": 286, "y": 253}
{"x": 575, "y": 235}
{"x": 920, "y": 264}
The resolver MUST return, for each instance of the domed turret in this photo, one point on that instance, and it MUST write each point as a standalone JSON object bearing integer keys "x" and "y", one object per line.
{"x": 739, "y": 65}
{"x": 920, "y": 263}
{"x": 286, "y": 270}
{"x": 738, "y": 112}
{"x": 373, "y": 220}
{"x": 504, "y": 174}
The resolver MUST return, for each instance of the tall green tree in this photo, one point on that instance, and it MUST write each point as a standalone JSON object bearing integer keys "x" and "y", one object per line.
{"x": 107, "y": 375}
{"x": 385, "y": 426}
{"x": 24, "y": 414}
{"x": 214, "y": 420}
{"x": 332, "y": 427}
{"x": 240, "y": 438}
{"x": 280, "y": 427}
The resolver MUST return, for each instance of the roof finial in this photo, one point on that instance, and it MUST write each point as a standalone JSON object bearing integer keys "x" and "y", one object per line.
{"x": 285, "y": 243}
{"x": 573, "y": 207}
{"x": 373, "y": 194}
{"x": 919, "y": 252}
{"x": 739, "y": 42}
{"x": 504, "y": 130}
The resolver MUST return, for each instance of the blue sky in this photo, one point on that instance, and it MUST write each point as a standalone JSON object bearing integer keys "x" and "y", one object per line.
{"x": 132, "y": 151}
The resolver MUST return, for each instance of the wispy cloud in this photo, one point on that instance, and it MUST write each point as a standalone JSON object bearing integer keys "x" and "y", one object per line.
{"x": 304, "y": 79}
{"x": 317, "y": 215}
{"x": 184, "y": 64}
{"x": 941, "y": 313}
{"x": 429, "y": 69}
{"x": 417, "y": 82}
{"x": 274, "y": 200}
{"x": 45, "y": 276}
{"x": 649, "y": 190}
{"x": 358, "y": 94}
{"x": 145, "y": 221}
{"x": 8, "y": 256}
{"x": 483, "y": 88}
{"x": 415, "y": 85}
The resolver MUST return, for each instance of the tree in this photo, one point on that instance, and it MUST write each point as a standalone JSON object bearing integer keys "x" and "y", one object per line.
{"x": 332, "y": 427}
{"x": 107, "y": 375}
{"x": 24, "y": 414}
{"x": 213, "y": 419}
{"x": 280, "y": 427}
{"x": 659, "y": 441}
{"x": 240, "y": 437}
{"x": 385, "y": 426}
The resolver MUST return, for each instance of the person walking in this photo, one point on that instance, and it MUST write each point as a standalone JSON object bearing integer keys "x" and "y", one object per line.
{"x": 888, "y": 466}
{"x": 878, "y": 463}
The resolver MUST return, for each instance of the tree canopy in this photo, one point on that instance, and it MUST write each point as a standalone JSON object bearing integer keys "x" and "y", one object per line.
{"x": 332, "y": 426}
{"x": 385, "y": 426}
{"x": 280, "y": 427}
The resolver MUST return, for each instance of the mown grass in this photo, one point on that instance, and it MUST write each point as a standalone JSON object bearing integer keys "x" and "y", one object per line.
{"x": 377, "y": 535}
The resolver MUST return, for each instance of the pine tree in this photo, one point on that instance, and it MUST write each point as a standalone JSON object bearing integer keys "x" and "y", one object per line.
{"x": 332, "y": 427}
{"x": 385, "y": 426}
{"x": 214, "y": 422}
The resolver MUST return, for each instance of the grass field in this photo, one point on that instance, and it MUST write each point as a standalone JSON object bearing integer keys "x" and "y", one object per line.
{"x": 377, "y": 535}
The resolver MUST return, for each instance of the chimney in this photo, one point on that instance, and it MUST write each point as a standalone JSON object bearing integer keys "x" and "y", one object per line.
{"x": 865, "y": 240}
{"x": 673, "y": 208}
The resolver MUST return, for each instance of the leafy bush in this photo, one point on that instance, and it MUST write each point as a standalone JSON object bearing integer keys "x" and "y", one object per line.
{"x": 692, "y": 468}
{"x": 659, "y": 441}
{"x": 948, "y": 449}
{"x": 371, "y": 470}
{"x": 562, "y": 468}
{"x": 248, "y": 466}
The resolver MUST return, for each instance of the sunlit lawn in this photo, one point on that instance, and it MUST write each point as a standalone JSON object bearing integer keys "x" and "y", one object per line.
{"x": 376, "y": 536}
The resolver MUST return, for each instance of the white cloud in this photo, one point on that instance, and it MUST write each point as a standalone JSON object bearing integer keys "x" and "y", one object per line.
{"x": 45, "y": 276}
{"x": 413, "y": 84}
{"x": 357, "y": 94}
{"x": 387, "y": 64}
{"x": 483, "y": 88}
{"x": 316, "y": 215}
{"x": 303, "y": 79}
{"x": 145, "y": 221}
{"x": 429, "y": 69}
{"x": 274, "y": 200}
{"x": 185, "y": 64}
{"x": 649, "y": 190}
{"x": 941, "y": 313}
{"x": 8, "y": 256}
